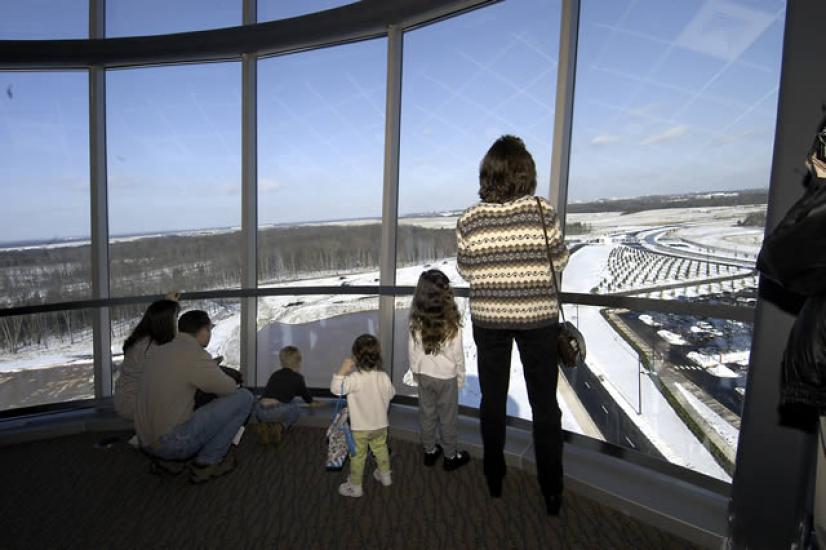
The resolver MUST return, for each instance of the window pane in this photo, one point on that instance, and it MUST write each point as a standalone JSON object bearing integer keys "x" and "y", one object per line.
{"x": 320, "y": 164}
{"x": 46, "y": 358}
{"x": 270, "y": 10}
{"x": 44, "y": 187}
{"x": 467, "y": 81}
{"x": 147, "y": 17}
{"x": 672, "y": 145}
{"x": 174, "y": 145}
{"x": 44, "y": 19}
{"x": 668, "y": 385}
{"x": 323, "y": 328}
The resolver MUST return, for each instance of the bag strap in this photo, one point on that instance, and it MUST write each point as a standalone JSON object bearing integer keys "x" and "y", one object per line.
{"x": 550, "y": 258}
{"x": 340, "y": 400}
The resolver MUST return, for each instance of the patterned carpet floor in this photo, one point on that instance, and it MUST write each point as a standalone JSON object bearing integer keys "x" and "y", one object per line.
{"x": 69, "y": 493}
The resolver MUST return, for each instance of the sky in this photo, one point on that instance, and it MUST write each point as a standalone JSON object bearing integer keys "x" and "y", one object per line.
{"x": 671, "y": 97}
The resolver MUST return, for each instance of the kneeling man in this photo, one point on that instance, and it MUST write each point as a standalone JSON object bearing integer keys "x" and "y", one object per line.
{"x": 167, "y": 426}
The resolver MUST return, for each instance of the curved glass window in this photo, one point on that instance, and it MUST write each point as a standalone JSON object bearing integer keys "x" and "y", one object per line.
{"x": 174, "y": 162}
{"x": 467, "y": 81}
{"x": 46, "y": 358}
{"x": 148, "y": 17}
{"x": 44, "y": 187}
{"x": 44, "y": 19}
{"x": 271, "y": 10}
{"x": 672, "y": 143}
{"x": 320, "y": 165}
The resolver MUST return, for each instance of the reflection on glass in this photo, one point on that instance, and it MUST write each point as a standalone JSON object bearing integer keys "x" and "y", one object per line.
{"x": 148, "y": 17}
{"x": 44, "y": 20}
{"x": 467, "y": 81}
{"x": 671, "y": 147}
{"x": 323, "y": 328}
{"x": 668, "y": 385}
{"x": 320, "y": 164}
{"x": 173, "y": 153}
{"x": 46, "y": 358}
{"x": 44, "y": 187}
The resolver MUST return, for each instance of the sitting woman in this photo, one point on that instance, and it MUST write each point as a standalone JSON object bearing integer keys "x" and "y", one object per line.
{"x": 157, "y": 327}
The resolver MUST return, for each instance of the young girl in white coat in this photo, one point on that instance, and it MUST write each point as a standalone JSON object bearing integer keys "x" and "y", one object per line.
{"x": 437, "y": 361}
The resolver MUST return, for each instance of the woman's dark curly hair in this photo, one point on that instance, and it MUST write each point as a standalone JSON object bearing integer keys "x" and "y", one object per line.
{"x": 507, "y": 172}
{"x": 434, "y": 317}
{"x": 367, "y": 353}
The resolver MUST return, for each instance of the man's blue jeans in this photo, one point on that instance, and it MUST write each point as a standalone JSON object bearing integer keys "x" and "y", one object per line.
{"x": 285, "y": 413}
{"x": 209, "y": 433}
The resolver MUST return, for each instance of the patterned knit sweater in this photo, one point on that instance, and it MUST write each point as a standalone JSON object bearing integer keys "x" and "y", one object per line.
{"x": 501, "y": 253}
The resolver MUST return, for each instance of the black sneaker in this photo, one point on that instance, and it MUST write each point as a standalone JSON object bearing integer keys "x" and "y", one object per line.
{"x": 456, "y": 461}
{"x": 553, "y": 504}
{"x": 431, "y": 458}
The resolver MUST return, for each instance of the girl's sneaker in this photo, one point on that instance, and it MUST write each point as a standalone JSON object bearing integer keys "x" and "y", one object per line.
{"x": 456, "y": 461}
{"x": 347, "y": 489}
{"x": 385, "y": 479}
{"x": 430, "y": 458}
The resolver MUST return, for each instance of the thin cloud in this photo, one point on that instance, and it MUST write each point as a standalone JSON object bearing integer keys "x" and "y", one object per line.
{"x": 675, "y": 132}
{"x": 604, "y": 139}
{"x": 268, "y": 185}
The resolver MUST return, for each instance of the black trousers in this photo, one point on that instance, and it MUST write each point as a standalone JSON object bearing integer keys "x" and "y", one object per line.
{"x": 537, "y": 349}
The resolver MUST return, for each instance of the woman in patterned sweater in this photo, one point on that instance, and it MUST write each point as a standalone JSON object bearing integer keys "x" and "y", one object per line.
{"x": 502, "y": 254}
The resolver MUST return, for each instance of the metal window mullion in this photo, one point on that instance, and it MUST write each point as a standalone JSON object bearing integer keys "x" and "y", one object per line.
{"x": 390, "y": 194}
{"x": 249, "y": 217}
{"x": 564, "y": 109}
{"x": 99, "y": 211}
{"x": 249, "y": 12}
{"x": 249, "y": 203}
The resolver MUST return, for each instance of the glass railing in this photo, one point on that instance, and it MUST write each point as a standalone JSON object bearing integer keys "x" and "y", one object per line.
{"x": 657, "y": 383}
{"x": 46, "y": 358}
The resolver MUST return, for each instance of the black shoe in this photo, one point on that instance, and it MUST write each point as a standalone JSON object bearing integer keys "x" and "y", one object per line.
{"x": 553, "y": 504}
{"x": 431, "y": 458}
{"x": 495, "y": 487}
{"x": 456, "y": 461}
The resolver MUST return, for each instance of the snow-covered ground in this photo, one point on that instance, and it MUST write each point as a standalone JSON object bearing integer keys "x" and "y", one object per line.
{"x": 610, "y": 223}
{"x": 728, "y": 432}
{"x": 617, "y": 364}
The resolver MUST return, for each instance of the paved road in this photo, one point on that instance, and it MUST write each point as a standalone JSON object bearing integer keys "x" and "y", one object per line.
{"x": 609, "y": 417}
{"x": 648, "y": 239}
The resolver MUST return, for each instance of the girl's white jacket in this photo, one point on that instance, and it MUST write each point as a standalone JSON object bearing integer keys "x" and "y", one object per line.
{"x": 448, "y": 363}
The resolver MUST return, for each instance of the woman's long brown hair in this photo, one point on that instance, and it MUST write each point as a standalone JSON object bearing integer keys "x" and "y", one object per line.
{"x": 434, "y": 317}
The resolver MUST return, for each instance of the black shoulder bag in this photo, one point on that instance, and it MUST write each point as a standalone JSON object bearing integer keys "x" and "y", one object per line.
{"x": 570, "y": 343}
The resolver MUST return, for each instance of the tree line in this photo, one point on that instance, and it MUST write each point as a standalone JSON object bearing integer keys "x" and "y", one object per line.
{"x": 189, "y": 262}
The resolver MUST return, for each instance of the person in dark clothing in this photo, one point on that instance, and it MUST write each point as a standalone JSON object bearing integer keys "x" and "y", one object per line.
{"x": 276, "y": 411}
